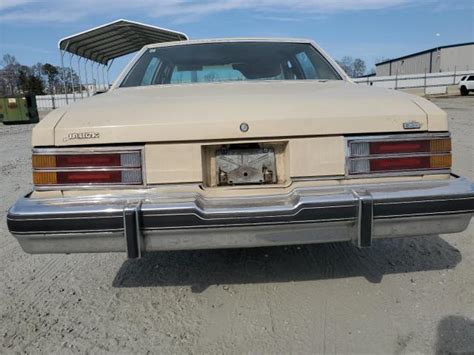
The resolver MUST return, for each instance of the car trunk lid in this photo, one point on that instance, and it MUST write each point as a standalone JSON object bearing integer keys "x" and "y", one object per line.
{"x": 216, "y": 111}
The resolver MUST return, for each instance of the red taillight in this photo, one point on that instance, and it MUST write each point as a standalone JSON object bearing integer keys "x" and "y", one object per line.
{"x": 68, "y": 161}
{"x": 374, "y": 155}
{"x": 391, "y": 164}
{"x": 89, "y": 177}
{"x": 83, "y": 167}
{"x": 399, "y": 147}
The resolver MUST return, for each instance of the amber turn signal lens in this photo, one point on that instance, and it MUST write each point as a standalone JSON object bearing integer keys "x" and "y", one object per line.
{"x": 440, "y": 145}
{"x": 440, "y": 161}
{"x": 44, "y": 178}
{"x": 44, "y": 161}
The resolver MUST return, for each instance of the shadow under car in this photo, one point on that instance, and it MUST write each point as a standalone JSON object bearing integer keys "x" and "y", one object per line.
{"x": 201, "y": 268}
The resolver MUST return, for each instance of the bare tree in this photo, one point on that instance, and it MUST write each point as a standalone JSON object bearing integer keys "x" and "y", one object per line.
{"x": 346, "y": 64}
{"x": 353, "y": 67}
{"x": 358, "y": 67}
{"x": 20, "y": 79}
{"x": 9, "y": 75}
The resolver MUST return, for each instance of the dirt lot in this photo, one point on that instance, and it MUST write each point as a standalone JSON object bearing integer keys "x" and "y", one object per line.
{"x": 405, "y": 295}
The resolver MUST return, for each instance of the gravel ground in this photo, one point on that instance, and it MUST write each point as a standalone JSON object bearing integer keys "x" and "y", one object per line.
{"x": 400, "y": 296}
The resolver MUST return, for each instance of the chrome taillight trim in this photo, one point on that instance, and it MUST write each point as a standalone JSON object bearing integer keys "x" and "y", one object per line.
{"x": 389, "y": 156}
{"x": 87, "y": 150}
{"x": 398, "y": 137}
{"x": 393, "y": 137}
{"x": 92, "y": 150}
{"x": 96, "y": 168}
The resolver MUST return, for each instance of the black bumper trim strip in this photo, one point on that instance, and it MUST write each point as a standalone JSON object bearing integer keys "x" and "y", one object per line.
{"x": 63, "y": 222}
{"x": 387, "y": 209}
{"x": 182, "y": 219}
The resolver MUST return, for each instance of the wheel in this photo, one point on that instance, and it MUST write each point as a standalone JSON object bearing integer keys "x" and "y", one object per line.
{"x": 464, "y": 91}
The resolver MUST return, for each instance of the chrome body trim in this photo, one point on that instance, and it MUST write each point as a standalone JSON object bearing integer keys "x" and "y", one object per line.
{"x": 398, "y": 137}
{"x": 96, "y": 168}
{"x": 163, "y": 221}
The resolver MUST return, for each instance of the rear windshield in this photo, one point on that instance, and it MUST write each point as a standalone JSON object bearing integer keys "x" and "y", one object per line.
{"x": 234, "y": 61}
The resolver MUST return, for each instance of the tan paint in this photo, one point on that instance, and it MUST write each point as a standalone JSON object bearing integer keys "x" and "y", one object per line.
{"x": 166, "y": 163}
{"x": 200, "y": 112}
{"x": 437, "y": 118}
{"x": 323, "y": 156}
{"x": 188, "y": 162}
{"x": 43, "y": 132}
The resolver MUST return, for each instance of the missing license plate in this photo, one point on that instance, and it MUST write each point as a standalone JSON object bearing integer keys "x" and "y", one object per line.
{"x": 246, "y": 166}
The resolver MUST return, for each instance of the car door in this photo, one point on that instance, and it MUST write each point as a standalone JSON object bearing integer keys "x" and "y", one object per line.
{"x": 470, "y": 82}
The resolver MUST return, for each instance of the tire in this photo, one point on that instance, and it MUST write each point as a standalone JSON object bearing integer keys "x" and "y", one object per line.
{"x": 464, "y": 91}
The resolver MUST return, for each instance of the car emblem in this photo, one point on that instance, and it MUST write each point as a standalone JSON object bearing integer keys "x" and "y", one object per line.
{"x": 244, "y": 127}
{"x": 82, "y": 135}
{"x": 411, "y": 125}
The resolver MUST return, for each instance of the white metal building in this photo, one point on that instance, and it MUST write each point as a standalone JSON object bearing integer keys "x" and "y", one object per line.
{"x": 455, "y": 57}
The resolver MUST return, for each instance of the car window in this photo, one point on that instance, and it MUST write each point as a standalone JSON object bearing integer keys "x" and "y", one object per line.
{"x": 229, "y": 61}
{"x": 306, "y": 65}
{"x": 463, "y": 78}
{"x": 150, "y": 71}
{"x": 471, "y": 78}
{"x": 186, "y": 74}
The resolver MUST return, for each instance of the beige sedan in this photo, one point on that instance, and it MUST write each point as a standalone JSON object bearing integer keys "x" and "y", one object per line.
{"x": 238, "y": 143}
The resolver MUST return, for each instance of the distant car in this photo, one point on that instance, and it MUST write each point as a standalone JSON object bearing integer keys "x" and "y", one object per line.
{"x": 238, "y": 143}
{"x": 466, "y": 85}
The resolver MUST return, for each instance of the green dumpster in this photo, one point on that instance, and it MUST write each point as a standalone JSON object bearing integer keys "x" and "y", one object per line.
{"x": 19, "y": 109}
{"x": 3, "y": 109}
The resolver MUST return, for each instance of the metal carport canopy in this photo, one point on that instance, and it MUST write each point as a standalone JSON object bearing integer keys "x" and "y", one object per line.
{"x": 115, "y": 39}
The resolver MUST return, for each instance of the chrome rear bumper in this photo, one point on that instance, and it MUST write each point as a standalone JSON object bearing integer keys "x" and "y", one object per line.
{"x": 142, "y": 222}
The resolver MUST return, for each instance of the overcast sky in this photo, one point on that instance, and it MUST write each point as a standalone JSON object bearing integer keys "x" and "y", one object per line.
{"x": 369, "y": 29}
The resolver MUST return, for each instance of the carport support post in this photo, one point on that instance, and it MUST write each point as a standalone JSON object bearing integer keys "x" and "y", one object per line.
{"x": 72, "y": 77}
{"x": 103, "y": 75}
{"x": 79, "y": 73}
{"x": 98, "y": 75}
{"x": 87, "y": 79}
{"x": 93, "y": 76}
{"x": 61, "y": 52}
{"x": 108, "y": 68}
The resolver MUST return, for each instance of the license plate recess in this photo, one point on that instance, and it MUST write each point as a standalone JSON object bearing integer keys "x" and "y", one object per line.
{"x": 246, "y": 166}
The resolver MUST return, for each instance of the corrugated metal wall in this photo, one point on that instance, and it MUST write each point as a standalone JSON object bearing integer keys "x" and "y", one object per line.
{"x": 461, "y": 58}
{"x": 383, "y": 69}
{"x": 446, "y": 59}
{"x": 412, "y": 65}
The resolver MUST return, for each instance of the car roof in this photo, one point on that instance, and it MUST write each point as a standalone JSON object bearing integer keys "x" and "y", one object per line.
{"x": 230, "y": 40}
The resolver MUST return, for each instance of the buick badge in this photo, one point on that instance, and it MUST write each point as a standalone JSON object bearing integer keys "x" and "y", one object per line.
{"x": 81, "y": 135}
